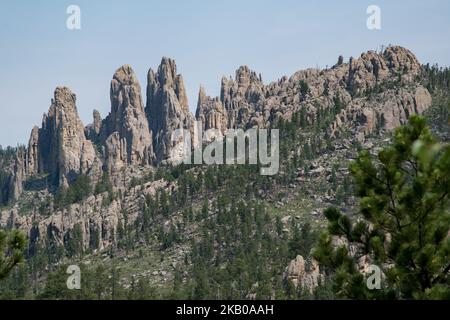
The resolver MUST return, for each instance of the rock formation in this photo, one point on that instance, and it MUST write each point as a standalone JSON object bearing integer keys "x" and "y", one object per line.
{"x": 93, "y": 130}
{"x": 116, "y": 154}
{"x": 60, "y": 147}
{"x": 17, "y": 176}
{"x": 377, "y": 91}
{"x": 367, "y": 116}
{"x": 167, "y": 108}
{"x": 242, "y": 97}
{"x": 305, "y": 274}
{"x": 211, "y": 114}
{"x": 128, "y": 119}
{"x": 98, "y": 223}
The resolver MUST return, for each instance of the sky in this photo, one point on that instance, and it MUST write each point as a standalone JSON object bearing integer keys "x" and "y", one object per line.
{"x": 207, "y": 38}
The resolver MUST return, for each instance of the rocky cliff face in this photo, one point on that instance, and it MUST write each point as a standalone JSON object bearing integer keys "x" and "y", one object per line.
{"x": 93, "y": 130}
{"x": 17, "y": 176}
{"x": 59, "y": 148}
{"x": 96, "y": 221}
{"x": 390, "y": 81}
{"x": 167, "y": 108}
{"x": 304, "y": 274}
{"x": 377, "y": 91}
{"x": 242, "y": 97}
{"x": 211, "y": 114}
{"x": 375, "y": 68}
{"x": 127, "y": 122}
{"x": 386, "y": 112}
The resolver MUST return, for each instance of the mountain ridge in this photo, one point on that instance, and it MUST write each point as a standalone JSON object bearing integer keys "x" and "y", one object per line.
{"x": 377, "y": 91}
{"x": 111, "y": 199}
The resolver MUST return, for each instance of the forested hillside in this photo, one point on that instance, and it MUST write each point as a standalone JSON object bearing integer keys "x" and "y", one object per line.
{"x": 140, "y": 230}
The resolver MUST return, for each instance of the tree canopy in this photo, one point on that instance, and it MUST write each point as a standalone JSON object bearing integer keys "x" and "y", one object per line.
{"x": 403, "y": 221}
{"x": 12, "y": 245}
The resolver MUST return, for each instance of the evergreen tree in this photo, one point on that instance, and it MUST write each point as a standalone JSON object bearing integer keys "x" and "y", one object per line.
{"x": 304, "y": 88}
{"x": 12, "y": 245}
{"x": 403, "y": 223}
{"x": 302, "y": 241}
{"x": 100, "y": 281}
{"x": 104, "y": 185}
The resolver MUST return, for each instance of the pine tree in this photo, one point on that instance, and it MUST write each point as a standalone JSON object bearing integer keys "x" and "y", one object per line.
{"x": 104, "y": 185}
{"x": 12, "y": 245}
{"x": 403, "y": 222}
{"x": 100, "y": 281}
{"x": 304, "y": 89}
{"x": 303, "y": 118}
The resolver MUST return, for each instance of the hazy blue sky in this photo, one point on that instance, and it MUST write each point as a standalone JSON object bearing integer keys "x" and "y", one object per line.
{"x": 208, "y": 39}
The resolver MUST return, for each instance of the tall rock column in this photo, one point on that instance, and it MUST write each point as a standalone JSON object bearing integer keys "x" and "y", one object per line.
{"x": 167, "y": 108}
{"x": 60, "y": 147}
{"x": 32, "y": 164}
{"x": 212, "y": 115}
{"x": 127, "y": 122}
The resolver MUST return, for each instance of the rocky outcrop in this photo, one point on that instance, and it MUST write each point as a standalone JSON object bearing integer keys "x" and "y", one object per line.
{"x": 96, "y": 221}
{"x": 242, "y": 103}
{"x": 93, "y": 130}
{"x": 57, "y": 228}
{"x": 32, "y": 165}
{"x": 17, "y": 175}
{"x": 367, "y": 71}
{"x": 212, "y": 115}
{"x": 243, "y": 97}
{"x": 364, "y": 117}
{"x": 127, "y": 118}
{"x": 59, "y": 147}
{"x": 115, "y": 153}
{"x": 167, "y": 109}
{"x": 377, "y": 91}
{"x": 304, "y": 274}
{"x": 384, "y": 92}
{"x": 372, "y": 69}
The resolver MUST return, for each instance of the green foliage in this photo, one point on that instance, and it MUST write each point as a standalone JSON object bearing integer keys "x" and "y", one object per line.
{"x": 91, "y": 282}
{"x": 4, "y": 187}
{"x": 237, "y": 247}
{"x": 104, "y": 185}
{"x": 242, "y": 251}
{"x": 304, "y": 88}
{"x": 169, "y": 238}
{"x": 302, "y": 241}
{"x": 403, "y": 223}
{"x": 8, "y": 154}
{"x": 74, "y": 241}
{"x": 12, "y": 245}
{"x": 16, "y": 285}
{"x": 99, "y": 283}
{"x": 77, "y": 191}
{"x": 436, "y": 78}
